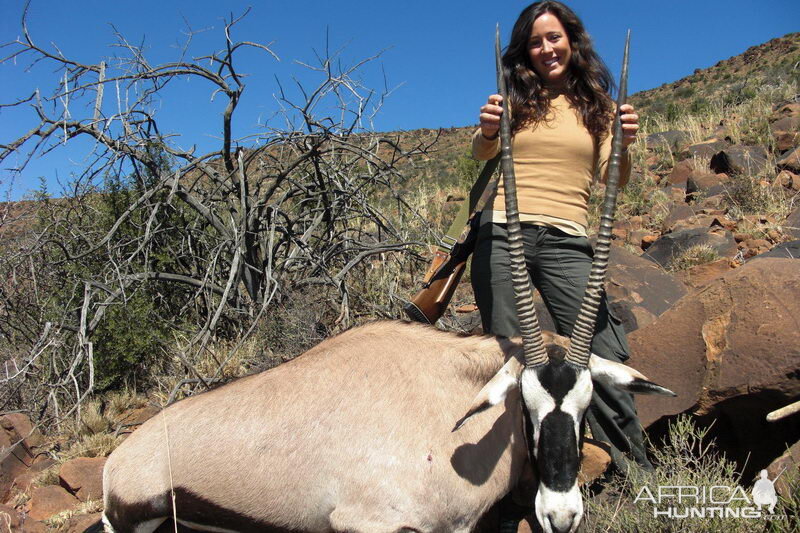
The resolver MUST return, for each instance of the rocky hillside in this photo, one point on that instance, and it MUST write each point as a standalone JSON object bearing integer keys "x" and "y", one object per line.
{"x": 731, "y": 80}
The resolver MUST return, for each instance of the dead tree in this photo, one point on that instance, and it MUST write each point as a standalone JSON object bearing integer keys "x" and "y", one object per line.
{"x": 222, "y": 236}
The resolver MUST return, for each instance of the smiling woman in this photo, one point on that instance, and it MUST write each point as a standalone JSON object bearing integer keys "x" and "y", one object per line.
{"x": 549, "y": 49}
{"x": 561, "y": 115}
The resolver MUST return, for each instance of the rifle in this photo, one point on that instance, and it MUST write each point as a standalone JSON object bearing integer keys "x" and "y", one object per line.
{"x": 450, "y": 256}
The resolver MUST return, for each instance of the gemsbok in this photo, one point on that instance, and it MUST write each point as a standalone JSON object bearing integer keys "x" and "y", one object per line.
{"x": 357, "y": 434}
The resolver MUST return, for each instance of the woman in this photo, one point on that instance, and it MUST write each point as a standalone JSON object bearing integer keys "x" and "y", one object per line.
{"x": 561, "y": 121}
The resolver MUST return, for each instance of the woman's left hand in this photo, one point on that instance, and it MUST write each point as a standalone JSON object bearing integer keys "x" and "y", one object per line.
{"x": 630, "y": 124}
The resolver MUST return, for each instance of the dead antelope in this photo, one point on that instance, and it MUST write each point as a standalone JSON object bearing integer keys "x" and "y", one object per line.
{"x": 357, "y": 434}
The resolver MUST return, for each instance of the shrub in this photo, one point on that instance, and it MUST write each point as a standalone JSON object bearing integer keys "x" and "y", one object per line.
{"x": 693, "y": 256}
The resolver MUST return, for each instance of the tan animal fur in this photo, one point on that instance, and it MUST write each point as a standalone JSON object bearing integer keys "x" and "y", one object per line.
{"x": 354, "y": 435}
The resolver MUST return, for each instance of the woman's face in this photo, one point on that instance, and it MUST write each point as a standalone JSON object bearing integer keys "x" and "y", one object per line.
{"x": 549, "y": 49}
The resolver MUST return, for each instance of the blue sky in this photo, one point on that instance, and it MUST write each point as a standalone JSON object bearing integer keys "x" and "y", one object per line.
{"x": 437, "y": 54}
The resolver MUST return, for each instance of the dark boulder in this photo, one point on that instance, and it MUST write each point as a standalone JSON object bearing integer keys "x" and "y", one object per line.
{"x": 791, "y": 161}
{"x": 639, "y": 291}
{"x": 792, "y": 223}
{"x": 786, "y": 250}
{"x": 786, "y": 133}
{"x": 748, "y": 160}
{"x": 677, "y": 213}
{"x": 731, "y": 352}
{"x": 670, "y": 246}
{"x": 673, "y": 140}
{"x": 704, "y": 149}
{"x": 708, "y": 183}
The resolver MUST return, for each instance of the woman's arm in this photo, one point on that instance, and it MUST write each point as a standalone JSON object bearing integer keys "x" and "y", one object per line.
{"x": 486, "y": 141}
{"x": 630, "y": 127}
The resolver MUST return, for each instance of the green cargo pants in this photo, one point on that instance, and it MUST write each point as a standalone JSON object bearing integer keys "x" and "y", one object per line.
{"x": 559, "y": 266}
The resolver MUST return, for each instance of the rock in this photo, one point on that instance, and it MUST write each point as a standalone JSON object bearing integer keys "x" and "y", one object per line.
{"x": 791, "y": 161}
{"x": 787, "y": 467}
{"x": 676, "y": 194}
{"x": 34, "y": 526}
{"x": 787, "y": 108}
{"x": 706, "y": 182}
{"x": 469, "y": 323}
{"x": 754, "y": 247}
{"x": 10, "y": 520}
{"x": 24, "y": 481}
{"x": 748, "y": 160}
{"x": 15, "y": 456}
{"x": 647, "y": 240}
{"x": 787, "y": 179}
{"x": 713, "y": 202}
{"x": 785, "y": 131}
{"x": 638, "y": 291}
{"x": 673, "y": 140}
{"x": 720, "y": 133}
{"x": 623, "y": 228}
{"x": 774, "y": 235}
{"x": 677, "y": 213}
{"x": 705, "y": 149}
{"x": 792, "y": 223}
{"x": 722, "y": 221}
{"x": 50, "y": 500}
{"x": 696, "y": 221}
{"x": 680, "y": 173}
{"x": 83, "y": 477}
{"x": 33, "y": 437}
{"x": 636, "y": 237}
{"x": 669, "y": 246}
{"x": 79, "y": 524}
{"x": 595, "y": 460}
{"x": 786, "y": 250}
{"x": 731, "y": 352}
{"x": 701, "y": 275}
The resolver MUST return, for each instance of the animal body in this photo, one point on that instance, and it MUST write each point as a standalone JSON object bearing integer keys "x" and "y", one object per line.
{"x": 355, "y": 435}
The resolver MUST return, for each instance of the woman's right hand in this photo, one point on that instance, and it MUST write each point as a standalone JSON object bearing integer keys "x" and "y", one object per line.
{"x": 490, "y": 116}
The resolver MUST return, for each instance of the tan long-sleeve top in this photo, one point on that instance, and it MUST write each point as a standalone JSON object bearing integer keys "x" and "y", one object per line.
{"x": 554, "y": 163}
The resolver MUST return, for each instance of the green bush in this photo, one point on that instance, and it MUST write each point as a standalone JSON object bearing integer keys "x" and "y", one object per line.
{"x": 127, "y": 341}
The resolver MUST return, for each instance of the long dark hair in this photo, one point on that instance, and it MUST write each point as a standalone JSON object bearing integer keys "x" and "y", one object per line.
{"x": 588, "y": 81}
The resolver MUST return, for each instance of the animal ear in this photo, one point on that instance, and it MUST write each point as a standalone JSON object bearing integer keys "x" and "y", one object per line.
{"x": 623, "y": 377}
{"x": 494, "y": 392}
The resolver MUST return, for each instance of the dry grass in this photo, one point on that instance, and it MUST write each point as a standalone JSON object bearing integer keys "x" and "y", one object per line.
{"x": 60, "y": 522}
{"x": 693, "y": 256}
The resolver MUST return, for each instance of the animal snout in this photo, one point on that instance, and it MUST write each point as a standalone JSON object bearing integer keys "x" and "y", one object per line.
{"x": 563, "y": 522}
